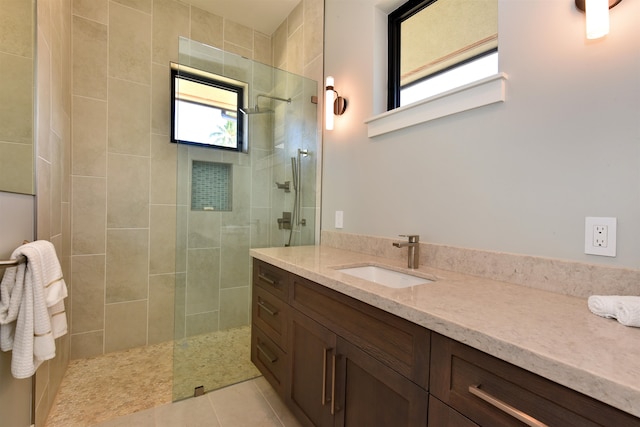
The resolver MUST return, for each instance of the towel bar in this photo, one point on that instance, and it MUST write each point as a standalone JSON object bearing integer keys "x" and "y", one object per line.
{"x": 13, "y": 262}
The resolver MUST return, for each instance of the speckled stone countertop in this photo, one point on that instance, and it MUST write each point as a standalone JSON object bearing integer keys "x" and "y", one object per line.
{"x": 552, "y": 335}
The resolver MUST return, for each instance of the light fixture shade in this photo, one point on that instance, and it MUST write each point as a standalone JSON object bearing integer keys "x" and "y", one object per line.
{"x": 328, "y": 104}
{"x": 597, "y": 18}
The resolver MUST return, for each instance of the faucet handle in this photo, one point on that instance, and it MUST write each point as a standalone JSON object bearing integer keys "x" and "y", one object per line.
{"x": 413, "y": 238}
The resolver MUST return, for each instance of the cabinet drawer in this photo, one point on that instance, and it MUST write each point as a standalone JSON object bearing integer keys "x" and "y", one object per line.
{"x": 269, "y": 359}
{"x": 398, "y": 343}
{"x": 270, "y": 314}
{"x": 271, "y": 278}
{"x": 492, "y": 392}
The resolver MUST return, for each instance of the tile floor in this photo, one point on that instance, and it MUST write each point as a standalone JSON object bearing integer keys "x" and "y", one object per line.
{"x": 252, "y": 403}
{"x": 136, "y": 381}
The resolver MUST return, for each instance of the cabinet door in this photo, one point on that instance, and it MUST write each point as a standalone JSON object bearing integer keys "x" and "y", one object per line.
{"x": 371, "y": 394}
{"x": 440, "y": 415}
{"x": 312, "y": 358}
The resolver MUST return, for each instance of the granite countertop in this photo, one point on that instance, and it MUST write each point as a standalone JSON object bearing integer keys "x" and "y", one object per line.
{"x": 552, "y": 335}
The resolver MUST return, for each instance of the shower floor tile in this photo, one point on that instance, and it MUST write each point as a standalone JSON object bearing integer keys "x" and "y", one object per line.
{"x": 102, "y": 388}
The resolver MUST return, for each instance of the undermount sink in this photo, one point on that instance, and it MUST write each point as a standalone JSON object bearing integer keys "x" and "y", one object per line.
{"x": 384, "y": 276}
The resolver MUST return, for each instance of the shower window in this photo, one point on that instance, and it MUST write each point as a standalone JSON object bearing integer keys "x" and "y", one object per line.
{"x": 205, "y": 110}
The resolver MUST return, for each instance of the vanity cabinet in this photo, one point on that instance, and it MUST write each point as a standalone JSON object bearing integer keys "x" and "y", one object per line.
{"x": 336, "y": 361}
{"x": 270, "y": 323}
{"x": 491, "y": 392}
{"x": 347, "y": 363}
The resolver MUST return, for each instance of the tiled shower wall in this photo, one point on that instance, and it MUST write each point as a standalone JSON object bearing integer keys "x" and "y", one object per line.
{"x": 53, "y": 162}
{"x": 124, "y": 168}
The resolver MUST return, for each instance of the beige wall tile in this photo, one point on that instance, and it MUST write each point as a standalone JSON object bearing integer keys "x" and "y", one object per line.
{"x": 313, "y": 32}
{"x": 17, "y": 21}
{"x": 129, "y": 118}
{"x": 143, "y": 5}
{"x": 89, "y": 58}
{"x": 295, "y": 18}
{"x": 127, "y": 265}
{"x": 43, "y": 200}
{"x": 238, "y": 34}
{"x": 238, "y": 50}
{"x": 163, "y": 170}
{"x": 89, "y": 203}
{"x": 180, "y": 306}
{"x": 126, "y": 325}
{"x": 44, "y": 97}
{"x": 161, "y": 307}
{"x": 162, "y": 233}
{"x": 161, "y": 100}
{"x": 88, "y": 275}
{"x": 201, "y": 323}
{"x": 206, "y": 27}
{"x": 295, "y": 54}
{"x": 204, "y": 229}
{"x": 127, "y": 191}
{"x": 95, "y": 10}
{"x": 16, "y": 84}
{"x": 55, "y": 184}
{"x": 234, "y": 307}
{"x": 279, "y": 43}
{"x": 129, "y": 43}
{"x": 262, "y": 48}
{"x": 89, "y": 137}
{"x": 16, "y": 168}
{"x": 203, "y": 272}
{"x": 170, "y": 21}
{"x": 235, "y": 262}
{"x": 87, "y": 345}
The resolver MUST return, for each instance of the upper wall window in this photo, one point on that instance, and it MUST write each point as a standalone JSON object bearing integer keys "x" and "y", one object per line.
{"x": 205, "y": 110}
{"x": 438, "y": 45}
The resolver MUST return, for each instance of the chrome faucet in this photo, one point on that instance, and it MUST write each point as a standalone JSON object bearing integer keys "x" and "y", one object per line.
{"x": 414, "y": 249}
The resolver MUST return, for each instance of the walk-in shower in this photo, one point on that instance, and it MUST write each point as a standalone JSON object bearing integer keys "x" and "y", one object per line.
{"x": 227, "y": 204}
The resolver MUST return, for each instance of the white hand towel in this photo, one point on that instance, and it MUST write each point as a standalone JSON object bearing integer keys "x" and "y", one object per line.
{"x": 628, "y": 312}
{"x": 604, "y": 305}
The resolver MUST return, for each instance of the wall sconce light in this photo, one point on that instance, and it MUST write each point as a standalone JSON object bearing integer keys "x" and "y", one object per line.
{"x": 597, "y": 12}
{"x": 334, "y": 104}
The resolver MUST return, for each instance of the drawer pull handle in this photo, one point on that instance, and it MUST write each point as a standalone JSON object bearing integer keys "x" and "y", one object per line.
{"x": 333, "y": 384}
{"x": 506, "y": 408}
{"x": 265, "y": 307}
{"x": 267, "y": 353}
{"x": 267, "y": 279}
{"x": 324, "y": 375}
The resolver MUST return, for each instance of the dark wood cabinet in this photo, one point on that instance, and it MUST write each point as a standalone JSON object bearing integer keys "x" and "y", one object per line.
{"x": 337, "y": 361}
{"x": 369, "y": 393}
{"x": 492, "y": 392}
{"x": 311, "y": 391}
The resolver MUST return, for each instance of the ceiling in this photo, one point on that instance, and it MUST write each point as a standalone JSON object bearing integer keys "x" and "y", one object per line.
{"x": 262, "y": 15}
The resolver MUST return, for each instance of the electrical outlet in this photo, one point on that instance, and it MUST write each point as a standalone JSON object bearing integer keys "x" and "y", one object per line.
{"x": 600, "y": 236}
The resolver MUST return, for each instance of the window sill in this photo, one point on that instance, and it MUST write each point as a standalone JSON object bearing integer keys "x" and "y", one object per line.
{"x": 483, "y": 92}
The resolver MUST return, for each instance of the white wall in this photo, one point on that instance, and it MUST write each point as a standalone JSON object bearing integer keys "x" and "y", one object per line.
{"x": 517, "y": 177}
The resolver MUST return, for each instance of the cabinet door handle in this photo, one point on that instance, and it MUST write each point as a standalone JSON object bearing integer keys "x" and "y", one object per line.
{"x": 265, "y": 307}
{"x": 505, "y": 407}
{"x": 267, "y": 353}
{"x": 324, "y": 375}
{"x": 333, "y": 384}
{"x": 267, "y": 279}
